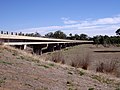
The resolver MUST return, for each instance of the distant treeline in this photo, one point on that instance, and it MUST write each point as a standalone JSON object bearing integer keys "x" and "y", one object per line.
{"x": 99, "y": 39}
{"x": 106, "y": 41}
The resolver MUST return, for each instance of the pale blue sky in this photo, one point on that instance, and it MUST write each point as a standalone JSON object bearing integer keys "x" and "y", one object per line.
{"x": 92, "y": 17}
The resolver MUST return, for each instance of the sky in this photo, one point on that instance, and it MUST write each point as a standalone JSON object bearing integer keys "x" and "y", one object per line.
{"x": 91, "y": 17}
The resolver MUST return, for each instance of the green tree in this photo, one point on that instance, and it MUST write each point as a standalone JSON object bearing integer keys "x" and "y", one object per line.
{"x": 37, "y": 34}
{"x": 118, "y": 32}
{"x": 83, "y": 37}
{"x": 77, "y": 37}
{"x": 96, "y": 40}
{"x": 49, "y": 35}
{"x": 70, "y": 34}
{"x": 60, "y": 34}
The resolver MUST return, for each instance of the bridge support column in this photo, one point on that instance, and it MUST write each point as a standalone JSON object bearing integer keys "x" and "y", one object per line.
{"x": 68, "y": 45}
{"x": 63, "y": 45}
{"x": 37, "y": 49}
{"x": 25, "y": 47}
{"x": 50, "y": 48}
{"x": 71, "y": 45}
{"x": 58, "y": 47}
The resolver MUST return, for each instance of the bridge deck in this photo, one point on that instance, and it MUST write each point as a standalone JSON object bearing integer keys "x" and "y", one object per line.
{"x": 16, "y": 37}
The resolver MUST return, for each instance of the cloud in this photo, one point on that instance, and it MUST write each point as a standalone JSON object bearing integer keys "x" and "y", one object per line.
{"x": 104, "y": 26}
{"x": 113, "y": 20}
{"x": 68, "y": 21}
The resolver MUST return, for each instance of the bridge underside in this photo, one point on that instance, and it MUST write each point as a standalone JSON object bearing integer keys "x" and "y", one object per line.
{"x": 43, "y": 48}
{"x": 39, "y": 45}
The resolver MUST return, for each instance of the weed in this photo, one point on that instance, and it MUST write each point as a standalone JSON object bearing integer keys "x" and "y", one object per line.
{"x": 74, "y": 63}
{"x": 51, "y": 64}
{"x": 81, "y": 73}
{"x": 36, "y": 78}
{"x": 58, "y": 57}
{"x": 49, "y": 53}
{"x": 70, "y": 88}
{"x": 102, "y": 79}
{"x": 100, "y": 67}
{"x": 117, "y": 88}
{"x": 66, "y": 49}
{"x": 14, "y": 54}
{"x": 17, "y": 57}
{"x": 70, "y": 73}
{"x": 45, "y": 66}
{"x": 82, "y": 62}
{"x": 4, "y": 62}
{"x": 111, "y": 66}
{"x": 26, "y": 84}
{"x": 108, "y": 66}
{"x": 91, "y": 89}
{"x": 32, "y": 59}
{"x": 69, "y": 83}
{"x": 2, "y": 81}
{"x": 85, "y": 62}
{"x": 22, "y": 57}
{"x": 42, "y": 88}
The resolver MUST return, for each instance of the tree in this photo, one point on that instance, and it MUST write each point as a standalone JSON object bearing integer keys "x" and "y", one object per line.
{"x": 70, "y": 34}
{"x": 96, "y": 40}
{"x": 118, "y": 32}
{"x": 37, "y": 34}
{"x": 49, "y": 35}
{"x": 83, "y": 37}
{"x": 20, "y": 33}
{"x": 77, "y": 37}
{"x": 60, "y": 34}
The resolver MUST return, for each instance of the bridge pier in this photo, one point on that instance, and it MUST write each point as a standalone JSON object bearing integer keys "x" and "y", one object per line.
{"x": 63, "y": 45}
{"x": 25, "y": 47}
{"x": 37, "y": 49}
{"x": 50, "y": 48}
{"x": 67, "y": 45}
{"x": 58, "y": 47}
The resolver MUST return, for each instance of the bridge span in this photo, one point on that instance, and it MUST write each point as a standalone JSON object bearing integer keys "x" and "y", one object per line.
{"x": 38, "y": 44}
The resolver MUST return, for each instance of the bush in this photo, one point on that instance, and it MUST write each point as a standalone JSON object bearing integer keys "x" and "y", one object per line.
{"x": 108, "y": 66}
{"x": 58, "y": 57}
{"x": 82, "y": 62}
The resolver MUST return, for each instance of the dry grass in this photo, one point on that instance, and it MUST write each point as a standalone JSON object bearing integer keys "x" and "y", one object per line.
{"x": 81, "y": 62}
{"x": 57, "y": 57}
{"x": 78, "y": 61}
{"x": 45, "y": 75}
{"x": 108, "y": 66}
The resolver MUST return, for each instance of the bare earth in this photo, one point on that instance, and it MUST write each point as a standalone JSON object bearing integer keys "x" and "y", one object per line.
{"x": 22, "y": 71}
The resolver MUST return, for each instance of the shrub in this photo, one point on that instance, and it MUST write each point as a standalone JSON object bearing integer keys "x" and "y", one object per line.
{"x": 58, "y": 58}
{"x": 82, "y": 62}
{"x": 81, "y": 73}
{"x": 91, "y": 89}
{"x": 100, "y": 67}
{"x": 85, "y": 62}
{"x": 117, "y": 88}
{"x": 108, "y": 66}
{"x": 111, "y": 66}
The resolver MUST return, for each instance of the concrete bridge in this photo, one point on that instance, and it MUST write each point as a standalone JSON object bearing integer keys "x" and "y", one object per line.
{"x": 38, "y": 44}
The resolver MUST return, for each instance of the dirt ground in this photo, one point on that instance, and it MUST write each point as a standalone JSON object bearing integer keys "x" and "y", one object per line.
{"x": 22, "y": 71}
